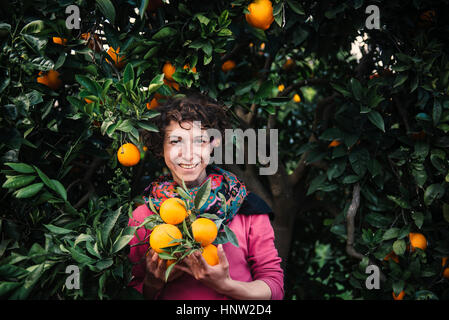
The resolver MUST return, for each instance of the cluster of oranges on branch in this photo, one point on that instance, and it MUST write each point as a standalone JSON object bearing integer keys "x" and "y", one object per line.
{"x": 181, "y": 230}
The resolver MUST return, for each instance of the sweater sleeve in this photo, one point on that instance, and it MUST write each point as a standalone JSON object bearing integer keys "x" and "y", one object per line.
{"x": 263, "y": 258}
{"x": 137, "y": 252}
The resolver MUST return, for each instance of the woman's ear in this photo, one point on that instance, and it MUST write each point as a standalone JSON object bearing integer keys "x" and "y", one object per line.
{"x": 216, "y": 142}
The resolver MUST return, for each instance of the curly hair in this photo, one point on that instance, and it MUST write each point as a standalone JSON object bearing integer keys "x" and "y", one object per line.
{"x": 192, "y": 107}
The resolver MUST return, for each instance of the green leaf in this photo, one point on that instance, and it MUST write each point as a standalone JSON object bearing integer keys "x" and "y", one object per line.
{"x": 436, "y": 112}
{"x": 35, "y": 26}
{"x": 390, "y": 234}
{"x": 59, "y": 188}
{"x": 399, "y": 247}
{"x": 156, "y": 83}
{"x": 128, "y": 75}
{"x": 20, "y": 167}
{"x": 165, "y": 32}
{"x": 418, "y": 217}
{"x": 359, "y": 160}
{"x": 29, "y": 191}
{"x": 202, "y": 194}
{"x": 109, "y": 224}
{"x": 434, "y": 191}
{"x": 356, "y": 88}
{"x": 376, "y": 119}
{"x": 80, "y": 257}
{"x": 57, "y": 230}
{"x": 45, "y": 179}
{"x": 87, "y": 83}
{"x": 107, "y": 8}
{"x": 400, "y": 79}
{"x": 122, "y": 241}
{"x": 230, "y": 235}
{"x": 398, "y": 286}
{"x": 446, "y": 211}
{"x": 147, "y": 126}
{"x": 23, "y": 291}
{"x": 143, "y": 7}
{"x": 15, "y": 182}
{"x": 296, "y": 7}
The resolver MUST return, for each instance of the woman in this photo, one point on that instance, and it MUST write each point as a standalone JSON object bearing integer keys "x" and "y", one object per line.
{"x": 250, "y": 271}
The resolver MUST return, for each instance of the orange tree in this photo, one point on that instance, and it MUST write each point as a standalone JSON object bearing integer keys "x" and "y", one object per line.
{"x": 362, "y": 136}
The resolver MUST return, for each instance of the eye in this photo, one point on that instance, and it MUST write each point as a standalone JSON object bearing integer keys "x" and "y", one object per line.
{"x": 174, "y": 141}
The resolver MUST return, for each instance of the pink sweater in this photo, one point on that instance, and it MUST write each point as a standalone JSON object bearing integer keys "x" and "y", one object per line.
{"x": 256, "y": 258}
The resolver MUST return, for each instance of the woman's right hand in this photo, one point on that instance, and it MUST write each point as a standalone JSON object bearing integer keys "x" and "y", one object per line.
{"x": 155, "y": 271}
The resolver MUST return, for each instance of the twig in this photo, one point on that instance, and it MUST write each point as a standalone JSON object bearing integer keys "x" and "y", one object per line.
{"x": 350, "y": 217}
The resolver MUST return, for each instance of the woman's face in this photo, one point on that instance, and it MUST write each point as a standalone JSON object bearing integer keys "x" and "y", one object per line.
{"x": 187, "y": 150}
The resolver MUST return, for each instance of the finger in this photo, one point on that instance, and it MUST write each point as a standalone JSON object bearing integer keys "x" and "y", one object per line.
{"x": 201, "y": 261}
{"x": 181, "y": 268}
{"x": 222, "y": 259}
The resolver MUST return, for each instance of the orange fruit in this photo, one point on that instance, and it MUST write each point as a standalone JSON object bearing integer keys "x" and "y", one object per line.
{"x": 417, "y": 240}
{"x": 281, "y": 87}
{"x": 61, "y": 41}
{"x": 188, "y": 67}
{"x": 446, "y": 270}
{"x": 392, "y": 256}
{"x": 119, "y": 61}
{"x": 128, "y": 155}
{"x": 400, "y": 296}
{"x": 173, "y": 211}
{"x": 93, "y": 43}
{"x": 152, "y": 104}
{"x": 204, "y": 230}
{"x": 260, "y": 14}
{"x": 427, "y": 15}
{"x": 210, "y": 254}
{"x": 228, "y": 65}
{"x": 145, "y": 148}
{"x": 334, "y": 143}
{"x": 50, "y": 79}
{"x": 172, "y": 84}
{"x": 289, "y": 63}
{"x": 296, "y": 98}
{"x": 168, "y": 69}
{"x": 262, "y": 46}
{"x": 162, "y": 234}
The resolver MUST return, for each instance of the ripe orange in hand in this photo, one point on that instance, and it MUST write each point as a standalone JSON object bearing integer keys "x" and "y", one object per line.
{"x": 173, "y": 211}
{"x": 162, "y": 234}
{"x": 50, "y": 79}
{"x": 168, "y": 69}
{"x": 417, "y": 240}
{"x": 260, "y": 14}
{"x": 400, "y": 296}
{"x": 128, "y": 155}
{"x": 228, "y": 65}
{"x": 210, "y": 254}
{"x": 119, "y": 60}
{"x": 204, "y": 231}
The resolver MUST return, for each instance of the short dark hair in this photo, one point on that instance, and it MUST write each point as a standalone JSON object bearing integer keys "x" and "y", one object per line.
{"x": 192, "y": 107}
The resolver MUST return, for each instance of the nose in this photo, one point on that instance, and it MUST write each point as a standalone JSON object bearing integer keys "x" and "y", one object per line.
{"x": 187, "y": 151}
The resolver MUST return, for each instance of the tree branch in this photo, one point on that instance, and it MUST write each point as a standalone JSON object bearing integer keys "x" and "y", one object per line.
{"x": 350, "y": 226}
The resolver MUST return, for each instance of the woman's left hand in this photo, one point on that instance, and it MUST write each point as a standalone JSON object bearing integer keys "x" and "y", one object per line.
{"x": 216, "y": 277}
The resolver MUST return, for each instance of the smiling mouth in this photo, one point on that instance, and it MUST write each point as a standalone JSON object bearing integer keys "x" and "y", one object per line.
{"x": 187, "y": 166}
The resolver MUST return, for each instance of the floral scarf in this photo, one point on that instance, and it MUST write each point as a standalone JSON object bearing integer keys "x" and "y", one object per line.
{"x": 222, "y": 181}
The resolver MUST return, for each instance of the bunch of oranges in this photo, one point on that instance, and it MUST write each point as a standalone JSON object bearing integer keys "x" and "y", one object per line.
{"x": 181, "y": 232}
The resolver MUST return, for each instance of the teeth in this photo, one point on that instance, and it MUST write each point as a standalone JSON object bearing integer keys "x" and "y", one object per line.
{"x": 187, "y": 166}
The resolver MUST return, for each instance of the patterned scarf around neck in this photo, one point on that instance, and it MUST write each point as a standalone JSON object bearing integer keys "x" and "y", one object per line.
{"x": 222, "y": 181}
